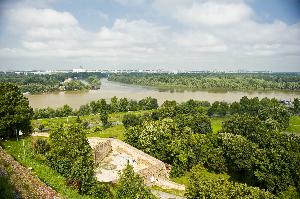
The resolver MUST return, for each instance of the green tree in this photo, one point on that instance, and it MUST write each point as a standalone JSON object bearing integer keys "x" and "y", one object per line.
{"x": 130, "y": 185}
{"x": 131, "y": 120}
{"x": 199, "y": 123}
{"x": 15, "y": 112}
{"x": 114, "y": 104}
{"x": 148, "y": 103}
{"x": 84, "y": 110}
{"x": 296, "y": 104}
{"x": 64, "y": 111}
{"x": 94, "y": 82}
{"x": 104, "y": 119}
{"x": 202, "y": 185}
{"x": 71, "y": 156}
{"x": 168, "y": 109}
{"x": 123, "y": 105}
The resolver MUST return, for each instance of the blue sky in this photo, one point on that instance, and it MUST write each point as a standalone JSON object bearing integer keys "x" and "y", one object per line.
{"x": 156, "y": 34}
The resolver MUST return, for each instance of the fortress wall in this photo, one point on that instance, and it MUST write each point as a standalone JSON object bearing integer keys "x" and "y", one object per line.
{"x": 101, "y": 150}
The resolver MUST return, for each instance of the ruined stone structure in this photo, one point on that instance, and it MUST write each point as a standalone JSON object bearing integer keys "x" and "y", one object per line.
{"x": 113, "y": 155}
{"x": 100, "y": 149}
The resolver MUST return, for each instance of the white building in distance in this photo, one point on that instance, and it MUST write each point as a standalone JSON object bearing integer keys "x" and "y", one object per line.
{"x": 79, "y": 70}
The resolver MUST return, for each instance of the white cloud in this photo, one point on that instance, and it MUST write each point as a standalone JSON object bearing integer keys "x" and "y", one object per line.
{"x": 200, "y": 42}
{"x": 28, "y": 17}
{"x": 214, "y": 33}
{"x": 213, "y": 14}
{"x": 130, "y": 2}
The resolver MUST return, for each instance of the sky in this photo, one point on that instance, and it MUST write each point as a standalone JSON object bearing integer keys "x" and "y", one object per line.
{"x": 150, "y": 34}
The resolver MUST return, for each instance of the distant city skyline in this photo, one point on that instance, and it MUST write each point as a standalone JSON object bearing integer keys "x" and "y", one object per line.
{"x": 167, "y": 35}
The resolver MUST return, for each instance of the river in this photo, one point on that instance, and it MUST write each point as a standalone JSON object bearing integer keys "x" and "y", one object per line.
{"x": 110, "y": 89}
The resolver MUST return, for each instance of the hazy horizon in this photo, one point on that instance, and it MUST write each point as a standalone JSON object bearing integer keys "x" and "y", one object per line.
{"x": 170, "y": 35}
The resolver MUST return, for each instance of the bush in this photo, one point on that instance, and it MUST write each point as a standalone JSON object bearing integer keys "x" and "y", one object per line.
{"x": 131, "y": 185}
{"x": 207, "y": 187}
{"x": 40, "y": 146}
{"x": 131, "y": 120}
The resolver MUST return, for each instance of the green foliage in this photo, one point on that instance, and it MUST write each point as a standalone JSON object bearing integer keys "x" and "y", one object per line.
{"x": 198, "y": 123}
{"x": 94, "y": 82}
{"x": 104, "y": 119}
{"x": 294, "y": 126}
{"x": 40, "y": 146}
{"x": 218, "y": 109}
{"x": 64, "y": 111}
{"x": 148, "y": 103}
{"x": 40, "y": 168}
{"x": 207, "y": 151}
{"x": 232, "y": 81}
{"x": 264, "y": 109}
{"x": 74, "y": 85}
{"x": 15, "y": 112}
{"x": 270, "y": 159}
{"x": 84, "y": 110}
{"x": 168, "y": 109}
{"x": 6, "y": 189}
{"x": 71, "y": 156}
{"x": 41, "y": 127}
{"x": 296, "y": 108}
{"x": 201, "y": 187}
{"x": 131, "y": 120}
{"x": 41, "y": 83}
{"x": 130, "y": 185}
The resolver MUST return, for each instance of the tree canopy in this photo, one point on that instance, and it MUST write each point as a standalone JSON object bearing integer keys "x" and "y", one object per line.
{"x": 15, "y": 111}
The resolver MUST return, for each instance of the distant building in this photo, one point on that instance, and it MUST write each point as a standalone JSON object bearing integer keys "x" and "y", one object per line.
{"x": 79, "y": 70}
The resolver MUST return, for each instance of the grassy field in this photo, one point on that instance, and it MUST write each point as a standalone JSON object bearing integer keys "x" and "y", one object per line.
{"x": 216, "y": 123}
{"x": 112, "y": 132}
{"x": 23, "y": 154}
{"x": 294, "y": 125}
{"x": 115, "y": 131}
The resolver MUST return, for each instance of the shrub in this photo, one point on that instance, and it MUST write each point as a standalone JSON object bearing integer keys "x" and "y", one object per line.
{"x": 40, "y": 146}
{"x": 131, "y": 120}
{"x": 131, "y": 185}
{"x": 207, "y": 187}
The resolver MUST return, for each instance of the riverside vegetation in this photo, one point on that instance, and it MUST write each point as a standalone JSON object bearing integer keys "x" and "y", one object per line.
{"x": 42, "y": 83}
{"x": 218, "y": 150}
{"x": 232, "y": 81}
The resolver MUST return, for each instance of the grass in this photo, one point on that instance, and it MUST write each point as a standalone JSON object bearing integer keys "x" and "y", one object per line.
{"x": 24, "y": 155}
{"x": 92, "y": 119}
{"x": 114, "y": 131}
{"x": 294, "y": 125}
{"x": 216, "y": 123}
{"x": 171, "y": 191}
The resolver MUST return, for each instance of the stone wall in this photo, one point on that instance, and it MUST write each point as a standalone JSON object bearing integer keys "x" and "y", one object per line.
{"x": 101, "y": 150}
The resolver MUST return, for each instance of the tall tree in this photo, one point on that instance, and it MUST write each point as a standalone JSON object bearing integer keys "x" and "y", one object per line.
{"x": 15, "y": 112}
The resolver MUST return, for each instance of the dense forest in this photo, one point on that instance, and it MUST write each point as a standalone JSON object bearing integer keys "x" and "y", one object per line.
{"x": 41, "y": 83}
{"x": 231, "y": 81}
{"x": 250, "y": 147}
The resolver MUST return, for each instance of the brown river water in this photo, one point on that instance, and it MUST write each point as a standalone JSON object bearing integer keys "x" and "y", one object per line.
{"x": 110, "y": 89}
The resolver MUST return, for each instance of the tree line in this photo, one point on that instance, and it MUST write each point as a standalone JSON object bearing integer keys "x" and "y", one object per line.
{"x": 228, "y": 81}
{"x": 42, "y": 83}
{"x": 100, "y": 106}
